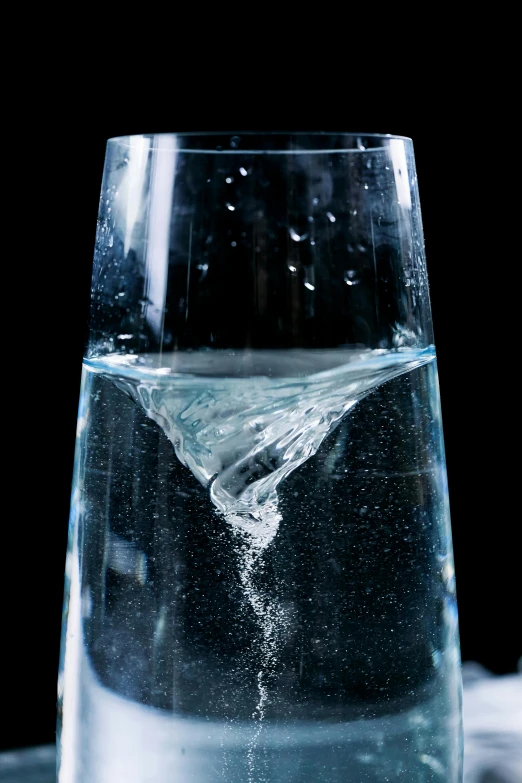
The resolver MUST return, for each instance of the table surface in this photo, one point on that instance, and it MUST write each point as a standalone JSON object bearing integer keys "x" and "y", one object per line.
{"x": 492, "y": 717}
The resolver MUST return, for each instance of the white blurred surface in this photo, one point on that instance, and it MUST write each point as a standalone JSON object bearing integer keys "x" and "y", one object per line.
{"x": 492, "y": 717}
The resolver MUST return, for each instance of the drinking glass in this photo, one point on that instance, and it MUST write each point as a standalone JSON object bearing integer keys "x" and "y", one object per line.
{"x": 259, "y": 576}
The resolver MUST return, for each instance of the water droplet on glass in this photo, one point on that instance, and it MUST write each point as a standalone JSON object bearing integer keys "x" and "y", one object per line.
{"x": 229, "y": 180}
{"x": 243, "y": 171}
{"x": 230, "y": 207}
{"x": 350, "y": 277}
{"x": 330, "y": 217}
{"x": 235, "y": 142}
{"x": 292, "y": 268}
{"x": 295, "y": 236}
{"x": 234, "y": 244}
{"x": 309, "y": 286}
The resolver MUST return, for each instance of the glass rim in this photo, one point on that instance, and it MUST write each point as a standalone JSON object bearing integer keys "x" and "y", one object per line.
{"x": 275, "y": 142}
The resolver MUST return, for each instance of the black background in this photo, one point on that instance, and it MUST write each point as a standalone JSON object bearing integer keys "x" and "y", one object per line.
{"x": 469, "y": 236}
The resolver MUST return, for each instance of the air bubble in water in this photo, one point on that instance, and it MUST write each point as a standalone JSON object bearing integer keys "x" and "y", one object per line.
{"x": 350, "y": 277}
{"x": 309, "y": 286}
{"x": 315, "y": 201}
{"x": 230, "y": 207}
{"x": 229, "y": 180}
{"x": 292, "y": 268}
{"x": 331, "y": 217}
{"x": 235, "y": 142}
{"x": 243, "y": 171}
{"x": 295, "y": 236}
{"x": 234, "y": 244}
{"x": 366, "y": 187}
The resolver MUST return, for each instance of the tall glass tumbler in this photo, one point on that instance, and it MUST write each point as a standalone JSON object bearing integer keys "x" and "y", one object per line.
{"x": 259, "y": 579}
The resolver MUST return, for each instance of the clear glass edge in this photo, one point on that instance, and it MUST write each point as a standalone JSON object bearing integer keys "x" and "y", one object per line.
{"x": 287, "y": 135}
